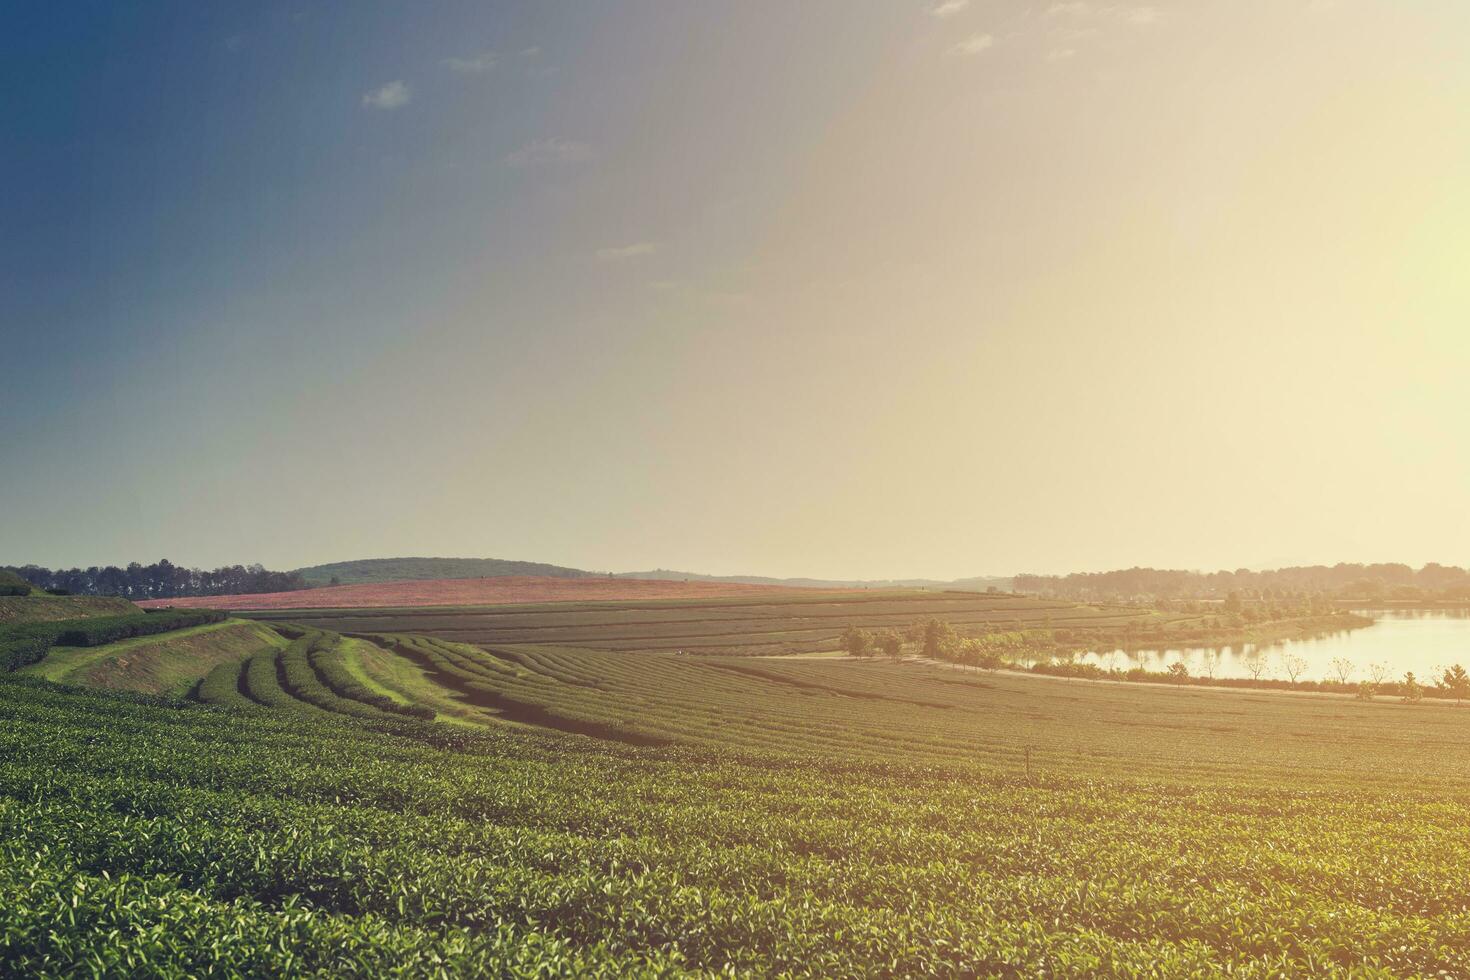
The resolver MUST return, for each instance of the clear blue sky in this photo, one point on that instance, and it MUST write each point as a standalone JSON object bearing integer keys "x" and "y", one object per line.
{"x": 830, "y": 288}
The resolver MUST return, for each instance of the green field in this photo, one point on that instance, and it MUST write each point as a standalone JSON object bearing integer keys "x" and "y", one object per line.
{"x": 162, "y": 839}
{"x": 766, "y": 625}
{"x": 395, "y": 803}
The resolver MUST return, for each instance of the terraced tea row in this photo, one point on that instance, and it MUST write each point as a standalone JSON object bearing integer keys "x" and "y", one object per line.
{"x": 727, "y": 626}
{"x": 944, "y": 717}
{"x": 154, "y": 838}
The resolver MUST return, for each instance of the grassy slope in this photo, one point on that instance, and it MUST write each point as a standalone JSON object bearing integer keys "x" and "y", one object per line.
{"x": 50, "y": 609}
{"x": 395, "y": 677}
{"x": 166, "y": 663}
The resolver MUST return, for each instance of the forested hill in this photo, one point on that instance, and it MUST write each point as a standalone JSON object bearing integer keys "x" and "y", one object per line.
{"x": 1347, "y": 580}
{"x": 369, "y": 570}
{"x": 976, "y": 584}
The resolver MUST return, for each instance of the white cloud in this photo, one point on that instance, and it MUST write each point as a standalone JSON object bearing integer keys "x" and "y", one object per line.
{"x": 948, "y": 8}
{"x": 975, "y": 44}
{"x": 630, "y": 251}
{"x": 547, "y": 152}
{"x": 1132, "y": 14}
{"x": 471, "y": 66}
{"x": 1061, "y": 54}
{"x": 390, "y": 96}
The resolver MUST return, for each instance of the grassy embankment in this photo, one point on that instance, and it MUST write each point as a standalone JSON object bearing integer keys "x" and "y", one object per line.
{"x": 165, "y": 663}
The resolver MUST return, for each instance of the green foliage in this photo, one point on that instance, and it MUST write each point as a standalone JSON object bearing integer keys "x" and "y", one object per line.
{"x": 140, "y": 837}
{"x": 12, "y": 584}
{"x": 857, "y": 642}
{"x": 221, "y": 686}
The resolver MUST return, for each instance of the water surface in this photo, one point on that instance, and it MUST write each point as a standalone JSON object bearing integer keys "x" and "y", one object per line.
{"x": 1422, "y": 641}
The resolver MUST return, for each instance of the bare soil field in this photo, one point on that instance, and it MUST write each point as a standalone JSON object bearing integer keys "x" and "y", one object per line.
{"x": 508, "y": 589}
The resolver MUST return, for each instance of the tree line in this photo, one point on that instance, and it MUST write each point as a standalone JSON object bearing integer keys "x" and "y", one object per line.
{"x": 161, "y": 580}
{"x": 1390, "y": 580}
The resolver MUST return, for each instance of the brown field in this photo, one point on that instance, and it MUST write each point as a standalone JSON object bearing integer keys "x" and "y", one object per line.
{"x": 502, "y": 590}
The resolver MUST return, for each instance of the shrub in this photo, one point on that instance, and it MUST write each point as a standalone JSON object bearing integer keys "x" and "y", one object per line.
{"x": 12, "y": 584}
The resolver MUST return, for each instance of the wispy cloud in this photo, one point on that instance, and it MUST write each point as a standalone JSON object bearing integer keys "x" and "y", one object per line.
{"x": 471, "y": 66}
{"x": 975, "y": 44}
{"x": 531, "y": 52}
{"x": 548, "y": 152}
{"x": 948, "y": 8}
{"x": 1060, "y": 54}
{"x": 1141, "y": 15}
{"x": 631, "y": 251}
{"x": 394, "y": 95}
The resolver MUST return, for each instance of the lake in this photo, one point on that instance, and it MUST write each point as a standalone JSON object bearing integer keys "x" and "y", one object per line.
{"x": 1424, "y": 641}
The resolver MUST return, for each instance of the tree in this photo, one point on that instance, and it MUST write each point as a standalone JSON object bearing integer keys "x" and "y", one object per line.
{"x": 1457, "y": 682}
{"x": 1178, "y": 672}
{"x": 1294, "y": 667}
{"x": 1413, "y": 693}
{"x": 939, "y": 639}
{"x": 857, "y": 642}
{"x": 1344, "y": 668}
{"x": 891, "y": 643}
{"x": 1255, "y": 663}
{"x": 1378, "y": 673}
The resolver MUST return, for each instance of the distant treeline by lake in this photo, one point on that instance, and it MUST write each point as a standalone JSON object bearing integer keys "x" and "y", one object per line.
{"x": 1370, "y": 583}
{"x": 160, "y": 580}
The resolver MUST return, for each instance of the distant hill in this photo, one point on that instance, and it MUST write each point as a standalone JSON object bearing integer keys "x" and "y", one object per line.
{"x": 373, "y": 570}
{"x": 376, "y": 570}
{"x": 977, "y": 583}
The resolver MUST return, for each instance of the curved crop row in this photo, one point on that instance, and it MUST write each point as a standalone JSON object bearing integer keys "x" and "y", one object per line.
{"x": 300, "y": 679}
{"x": 327, "y": 660}
{"x": 221, "y": 686}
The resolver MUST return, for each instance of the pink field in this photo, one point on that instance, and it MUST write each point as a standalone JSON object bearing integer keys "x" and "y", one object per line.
{"x": 503, "y": 590}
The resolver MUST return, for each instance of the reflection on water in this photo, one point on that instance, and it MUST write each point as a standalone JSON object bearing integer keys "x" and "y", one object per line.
{"x": 1424, "y": 641}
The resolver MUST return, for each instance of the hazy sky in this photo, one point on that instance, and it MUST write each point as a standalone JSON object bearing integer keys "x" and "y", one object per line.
{"x": 821, "y": 288}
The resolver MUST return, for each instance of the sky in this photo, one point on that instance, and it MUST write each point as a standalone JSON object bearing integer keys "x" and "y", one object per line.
{"x": 834, "y": 288}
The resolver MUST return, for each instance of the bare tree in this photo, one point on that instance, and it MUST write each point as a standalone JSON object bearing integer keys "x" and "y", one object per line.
{"x": 1378, "y": 673}
{"x": 1256, "y": 664}
{"x": 1294, "y": 666}
{"x": 1344, "y": 668}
